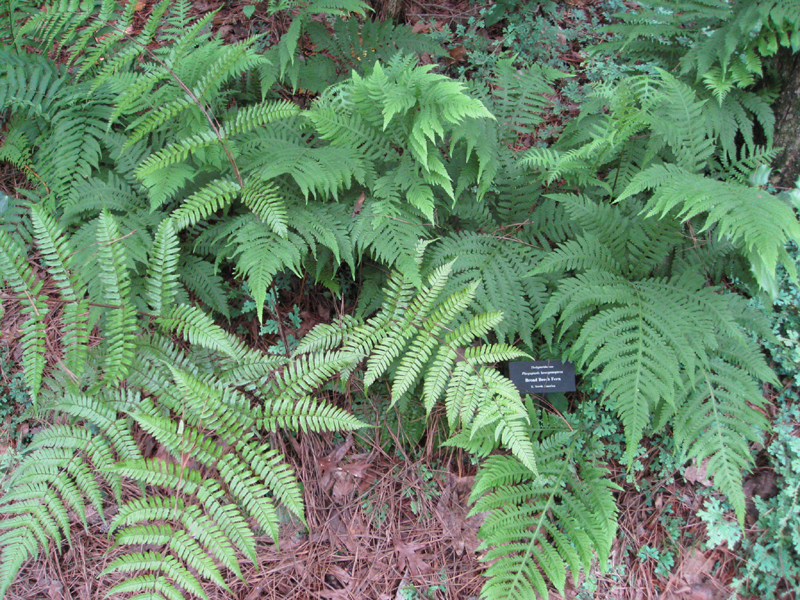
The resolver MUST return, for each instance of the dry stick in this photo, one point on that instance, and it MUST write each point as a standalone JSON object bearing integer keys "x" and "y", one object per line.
{"x": 279, "y": 320}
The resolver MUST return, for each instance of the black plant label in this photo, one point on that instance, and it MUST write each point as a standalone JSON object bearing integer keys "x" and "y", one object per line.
{"x": 542, "y": 376}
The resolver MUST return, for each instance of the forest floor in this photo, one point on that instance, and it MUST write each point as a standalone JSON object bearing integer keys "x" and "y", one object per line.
{"x": 386, "y": 525}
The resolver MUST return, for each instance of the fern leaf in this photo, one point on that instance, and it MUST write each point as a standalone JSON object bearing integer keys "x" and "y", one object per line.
{"x": 750, "y": 217}
{"x": 151, "y": 561}
{"x": 162, "y": 275}
{"x": 175, "y": 152}
{"x": 198, "y": 328}
{"x": 228, "y": 517}
{"x": 153, "y": 587}
{"x": 279, "y": 477}
{"x": 306, "y": 414}
{"x": 121, "y": 325}
{"x": 200, "y": 277}
{"x": 540, "y": 526}
{"x": 200, "y": 205}
{"x": 264, "y": 199}
{"x": 214, "y": 405}
{"x": 251, "y": 493}
{"x": 717, "y": 422}
{"x": 20, "y": 278}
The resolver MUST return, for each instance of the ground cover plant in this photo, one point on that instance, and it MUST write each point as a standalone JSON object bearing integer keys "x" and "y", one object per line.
{"x": 165, "y": 167}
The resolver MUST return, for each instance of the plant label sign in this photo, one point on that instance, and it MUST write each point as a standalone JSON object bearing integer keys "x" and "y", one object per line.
{"x": 542, "y": 376}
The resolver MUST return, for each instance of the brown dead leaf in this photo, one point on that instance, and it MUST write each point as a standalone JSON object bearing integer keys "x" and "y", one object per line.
{"x": 692, "y": 579}
{"x": 335, "y": 594}
{"x": 452, "y": 511}
{"x": 697, "y": 474}
{"x": 328, "y": 463}
{"x": 407, "y": 557}
{"x": 55, "y": 591}
{"x": 343, "y": 486}
{"x": 359, "y": 204}
{"x": 347, "y": 478}
{"x": 349, "y": 536}
{"x": 139, "y": 6}
{"x": 420, "y": 27}
{"x": 458, "y": 54}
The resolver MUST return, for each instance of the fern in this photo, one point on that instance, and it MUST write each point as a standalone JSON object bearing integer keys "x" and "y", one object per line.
{"x": 20, "y": 278}
{"x": 749, "y": 217}
{"x": 180, "y": 165}
{"x": 538, "y": 527}
{"x": 203, "y": 421}
{"x": 406, "y": 336}
{"x": 121, "y": 325}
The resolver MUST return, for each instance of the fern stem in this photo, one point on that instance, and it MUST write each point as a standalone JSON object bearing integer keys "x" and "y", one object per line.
{"x": 6, "y": 296}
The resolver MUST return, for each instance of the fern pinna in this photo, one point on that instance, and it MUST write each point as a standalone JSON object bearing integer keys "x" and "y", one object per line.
{"x": 217, "y": 470}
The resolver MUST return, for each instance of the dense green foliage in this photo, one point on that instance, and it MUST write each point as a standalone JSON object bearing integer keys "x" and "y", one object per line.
{"x": 170, "y": 167}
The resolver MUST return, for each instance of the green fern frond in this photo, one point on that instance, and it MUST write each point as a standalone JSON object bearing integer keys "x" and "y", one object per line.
{"x": 160, "y": 473}
{"x": 153, "y": 587}
{"x": 540, "y": 526}
{"x": 228, "y": 517}
{"x": 319, "y": 172}
{"x": 18, "y": 546}
{"x": 19, "y": 276}
{"x": 307, "y": 373}
{"x": 102, "y": 415}
{"x": 751, "y": 218}
{"x": 257, "y": 115}
{"x": 121, "y": 325}
{"x": 202, "y": 279}
{"x": 151, "y": 561}
{"x": 327, "y": 336}
{"x": 399, "y": 332}
{"x": 198, "y": 328}
{"x": 261, "y": 254}
{"x": 249, "y": 492}
{"x": 202, "y": 204}
{"x": 717, "y": 421}
{"x": 264, "y": 199}
{"x": 197, "y": 524}
{"x": 213, "y": 405}
{"x": 306, "y": 414}
{"x": 640, "y": 338}
{"x": 162, "y": 274}
{"x": 180, "y": 543}
{"x": 53, "y": 246}
{"x": 174, "y": 153}
{"x": 279, "y": 477}
{"x": 503, "y": 271}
